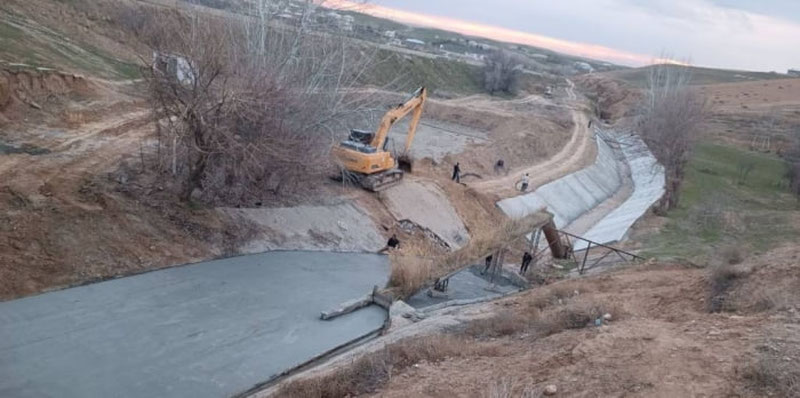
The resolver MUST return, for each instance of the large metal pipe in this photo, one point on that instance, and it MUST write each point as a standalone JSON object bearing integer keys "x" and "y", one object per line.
{"x": 557, "y": 247}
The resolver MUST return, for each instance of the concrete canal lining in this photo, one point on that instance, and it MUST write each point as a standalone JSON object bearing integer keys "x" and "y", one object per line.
{"x": 574, "y": 194}
{"x": 211, "y": 329}
{"x": 648, "y": 187}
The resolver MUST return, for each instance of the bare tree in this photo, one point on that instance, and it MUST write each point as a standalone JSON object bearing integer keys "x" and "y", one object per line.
{"x": 244, "y": 105}
{"x": 792, "y": 158}
{"x": 670, "y": 120}
{"x": 499, "y": 72}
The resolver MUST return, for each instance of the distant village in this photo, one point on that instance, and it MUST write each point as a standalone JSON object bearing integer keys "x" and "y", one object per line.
{"x": 470, "y": 50}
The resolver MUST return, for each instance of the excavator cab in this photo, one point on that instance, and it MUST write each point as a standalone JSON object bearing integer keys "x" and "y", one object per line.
{"x": 363, "y": 155}
{"x": 359, "y": 140}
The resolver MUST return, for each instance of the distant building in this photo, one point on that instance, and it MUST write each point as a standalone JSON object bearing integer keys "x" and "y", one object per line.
{"x": 584, "y": 67}
{"x": 793, "y": 72}
{"x": 389, "y": 34}
{"x": 414, "y": 43}
{"x": 337, "y": 21}
{"x": 346, "y": 23}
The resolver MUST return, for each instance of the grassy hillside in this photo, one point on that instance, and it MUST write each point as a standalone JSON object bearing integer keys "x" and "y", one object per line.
{"x": 24, "y": 40}
{"x": 724, "y": 207}
{"x": 405, "y": 72}
{"x": 700, "y": 76}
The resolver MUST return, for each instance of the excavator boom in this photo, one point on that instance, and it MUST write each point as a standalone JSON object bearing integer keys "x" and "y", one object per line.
{"x": 415, "y": 103}
{"x": 364, "y": 154}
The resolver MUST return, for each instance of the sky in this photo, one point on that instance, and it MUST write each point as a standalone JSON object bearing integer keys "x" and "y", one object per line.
{"x": 761, "y": 35}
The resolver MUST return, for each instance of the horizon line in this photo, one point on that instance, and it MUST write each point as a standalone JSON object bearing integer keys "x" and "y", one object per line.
{"x": 584, "y": 50}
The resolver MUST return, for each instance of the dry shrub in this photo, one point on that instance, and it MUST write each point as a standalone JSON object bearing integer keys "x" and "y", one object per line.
{"x": 507, "y": 388}
{"x": 552, "y": 295}
{"x": 248, "y": 106}
{"x": 731, "y": 254}
{"x": 573, "y": 316}
{"x": 504, "y": 323}
{"x": 773, "y": 375}
{"x": 542, "y": 318}
{"x": 775, "y": 298}
{"x": 411, "y": 272}
{"x": 370, "y": 372}
{"x": 500, "y": 71}
{"x": 720, "y": 280}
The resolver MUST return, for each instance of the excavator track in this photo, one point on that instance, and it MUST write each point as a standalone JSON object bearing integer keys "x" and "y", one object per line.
{"x": 379, "y": 181}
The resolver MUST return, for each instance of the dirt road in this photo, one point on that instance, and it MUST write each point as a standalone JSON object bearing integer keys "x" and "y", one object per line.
{"x": 579, "y": 152}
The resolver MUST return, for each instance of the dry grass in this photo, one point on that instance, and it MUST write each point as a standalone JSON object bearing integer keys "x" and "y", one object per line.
{"x": 504, "y": 323}
{"x": 369, "y": 373}
{"x": 508, "y": 388}
{"x": 732, "y": 255}
{"x": 553, "y": 295}
{"x": 773, "y": 375}
{"x": 721, "y": 279}
{"x": 554, "y": 310}
{"x": 411, "y": 271}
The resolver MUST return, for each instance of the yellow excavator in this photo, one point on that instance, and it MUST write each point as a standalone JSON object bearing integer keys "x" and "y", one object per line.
{"x": 363, "y": 155}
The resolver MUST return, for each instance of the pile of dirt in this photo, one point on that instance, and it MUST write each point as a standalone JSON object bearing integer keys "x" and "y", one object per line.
{"x": 27, "y": 89}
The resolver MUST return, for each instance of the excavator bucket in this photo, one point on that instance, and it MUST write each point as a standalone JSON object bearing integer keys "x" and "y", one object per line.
{"x": 405, "y": 163}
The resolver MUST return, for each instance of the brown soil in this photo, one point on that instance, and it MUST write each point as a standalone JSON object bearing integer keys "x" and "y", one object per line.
{"x": 660, "y": 342}
{"x": 67, "y": 216}
{"x": 761, "y": 115}
{"x": 578, "y": 153}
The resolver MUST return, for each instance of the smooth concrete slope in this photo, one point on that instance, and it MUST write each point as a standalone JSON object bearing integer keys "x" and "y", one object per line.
{"x": 573, "y": 195}
{"x": 211, "y": 329}
{"x": 648, "y": 187}
{"x": 425, "y": 204}
{"x": 343, "y": 228}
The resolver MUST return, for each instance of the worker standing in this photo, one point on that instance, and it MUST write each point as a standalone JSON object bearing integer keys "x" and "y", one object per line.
{"x": 488, "y": 264}
{"x": 526, "y": 261}
{"x": 457, "y": 173}
{"x": 525, "y": 182}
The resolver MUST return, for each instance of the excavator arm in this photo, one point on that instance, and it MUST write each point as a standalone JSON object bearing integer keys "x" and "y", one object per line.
{"x": 415, "y": 104}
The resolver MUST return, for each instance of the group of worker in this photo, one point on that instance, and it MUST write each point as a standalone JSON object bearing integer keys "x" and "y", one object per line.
{"x": 526, "y": 262}
{"x": 394, "y": 243}
{"x": 500, "y": 165}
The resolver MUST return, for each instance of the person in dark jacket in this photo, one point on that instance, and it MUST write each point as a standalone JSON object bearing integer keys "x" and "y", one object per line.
{"x": 526, "y": 261}
{"x": 488, "y": 264}
{"x": 457, "y": 173}
{"x": 393, "y": 243}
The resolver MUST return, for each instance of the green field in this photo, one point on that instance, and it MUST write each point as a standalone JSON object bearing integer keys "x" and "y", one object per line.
{"x": 722, "y": 206}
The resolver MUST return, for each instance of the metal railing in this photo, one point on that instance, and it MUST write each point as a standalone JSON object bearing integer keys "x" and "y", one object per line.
{"x": 571, "y": 239}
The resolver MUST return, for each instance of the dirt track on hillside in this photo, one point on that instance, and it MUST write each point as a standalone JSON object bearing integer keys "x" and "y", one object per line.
{"x": 578, "y": 153}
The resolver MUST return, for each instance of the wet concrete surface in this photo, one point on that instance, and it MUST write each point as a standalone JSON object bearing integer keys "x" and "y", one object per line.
{"x": 8, "y": 149}
{"x": 465, "y": 285}
{"x": 211, "y": 329}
